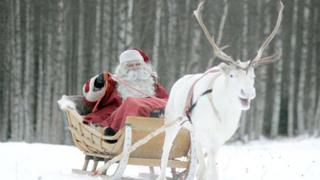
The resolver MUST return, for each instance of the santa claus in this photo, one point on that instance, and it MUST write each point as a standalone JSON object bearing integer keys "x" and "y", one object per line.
{"x": 132, "y": 91}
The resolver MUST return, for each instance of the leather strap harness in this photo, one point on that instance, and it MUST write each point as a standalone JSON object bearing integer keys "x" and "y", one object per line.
{"x": 190, "y": 105}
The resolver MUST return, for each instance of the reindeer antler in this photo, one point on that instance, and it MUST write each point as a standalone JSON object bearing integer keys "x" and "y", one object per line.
{"x": 217, "y": 51}
{"x": 258, "y": 59}
{"x": 229, "y": 60}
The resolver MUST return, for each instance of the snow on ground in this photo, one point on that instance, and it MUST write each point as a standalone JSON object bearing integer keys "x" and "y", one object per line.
{"x": 295, "y": 159}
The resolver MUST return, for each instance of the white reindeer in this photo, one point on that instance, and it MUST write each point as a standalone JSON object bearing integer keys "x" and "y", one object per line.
{"x": 213, "y": 101}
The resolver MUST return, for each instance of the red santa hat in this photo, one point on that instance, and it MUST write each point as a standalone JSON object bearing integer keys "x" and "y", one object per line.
{"x": 133, "y": 55}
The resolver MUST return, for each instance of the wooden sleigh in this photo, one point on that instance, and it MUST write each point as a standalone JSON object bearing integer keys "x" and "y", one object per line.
{"x": 91, "y": 141}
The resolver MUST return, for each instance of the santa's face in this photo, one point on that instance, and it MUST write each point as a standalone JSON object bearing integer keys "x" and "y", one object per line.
{"x": 134, "y": 71}
{"x": 137, "y": 74}
{"x": 134, "y": 65}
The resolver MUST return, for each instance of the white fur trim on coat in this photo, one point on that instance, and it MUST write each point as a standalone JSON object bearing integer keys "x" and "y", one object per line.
{"x": 65, "y": 103}
{"x": 93, "y": 94}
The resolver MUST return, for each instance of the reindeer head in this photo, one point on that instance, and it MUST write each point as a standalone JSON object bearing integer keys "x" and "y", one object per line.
{"x": 239, "y": 84}
{"x": 240, "y": 75}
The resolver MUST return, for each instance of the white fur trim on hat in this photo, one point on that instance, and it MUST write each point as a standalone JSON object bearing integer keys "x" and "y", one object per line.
{"x": 130, "y": 55}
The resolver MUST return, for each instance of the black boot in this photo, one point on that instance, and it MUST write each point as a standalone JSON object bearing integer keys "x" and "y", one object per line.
{"x": 157, "y": 113}
{"x": 110, "y": 132}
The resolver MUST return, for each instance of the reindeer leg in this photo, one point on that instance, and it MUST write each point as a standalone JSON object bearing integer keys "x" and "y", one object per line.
{"x": 170, "y": 135}
{"x": 201, "y": 160}
{"x": 193, "y": 155}
{"x": 211, "y": 172}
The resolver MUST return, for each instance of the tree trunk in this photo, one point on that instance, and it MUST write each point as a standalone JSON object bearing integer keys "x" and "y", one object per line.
{"x": 5, "y": 28}
{"x": 311, "y": 71}
{"x": 28, "y": 86}
{"x": 286, "y": 56}
{"x": 156, "y": 46}
{"x": 275, "y": 119}
{"x": 300, "y": 62}
{"x": 292, "y": 79}
{"x": 276, "y": 74}
{"x": 15, "y": 86}
{"x": 261, "y": 30}
{"x": 48, "y": 74}
{"x": 80, "y": 48}
{"x": 96, "y": 28}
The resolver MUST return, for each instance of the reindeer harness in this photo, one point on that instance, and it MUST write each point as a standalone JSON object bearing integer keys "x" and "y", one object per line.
{"x": 190, "y": 105}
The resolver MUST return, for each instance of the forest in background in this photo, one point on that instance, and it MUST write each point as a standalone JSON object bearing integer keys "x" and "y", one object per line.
{"x": 50, "y": 47}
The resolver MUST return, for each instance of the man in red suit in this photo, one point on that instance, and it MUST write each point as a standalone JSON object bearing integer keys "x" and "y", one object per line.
{"x": 132, "y": 91}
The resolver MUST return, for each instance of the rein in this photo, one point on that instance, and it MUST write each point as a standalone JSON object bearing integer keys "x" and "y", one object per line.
{"x": 190, "y": 105}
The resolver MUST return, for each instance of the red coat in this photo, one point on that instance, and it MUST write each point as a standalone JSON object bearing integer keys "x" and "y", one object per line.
{"x": 110, "y": 111}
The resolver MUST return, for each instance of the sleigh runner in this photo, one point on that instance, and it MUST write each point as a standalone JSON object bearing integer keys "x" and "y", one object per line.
{"x": 91, "y": 141}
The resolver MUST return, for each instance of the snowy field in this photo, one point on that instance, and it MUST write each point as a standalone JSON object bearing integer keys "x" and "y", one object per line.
{"x": 296, "y": 159}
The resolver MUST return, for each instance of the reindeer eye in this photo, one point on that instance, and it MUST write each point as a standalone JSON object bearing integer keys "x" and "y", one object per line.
{"x": 231, "y": 75}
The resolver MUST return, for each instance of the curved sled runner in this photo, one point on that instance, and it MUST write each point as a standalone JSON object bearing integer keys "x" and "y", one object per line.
{"x": 91, "y": 141}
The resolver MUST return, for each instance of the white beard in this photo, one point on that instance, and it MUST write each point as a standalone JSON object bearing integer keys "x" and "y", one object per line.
{"x": 140, "y": 79}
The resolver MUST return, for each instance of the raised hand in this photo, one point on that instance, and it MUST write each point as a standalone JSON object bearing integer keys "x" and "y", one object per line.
{"x": 99, "y": 81}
